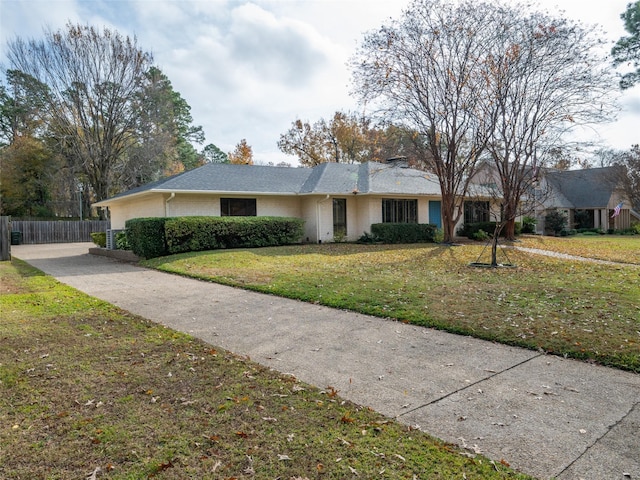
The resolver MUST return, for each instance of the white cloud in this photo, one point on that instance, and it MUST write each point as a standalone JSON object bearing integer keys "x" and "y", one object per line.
{"x": 250, "y": 68}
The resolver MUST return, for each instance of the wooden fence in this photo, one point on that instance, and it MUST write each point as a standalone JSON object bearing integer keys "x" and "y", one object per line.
{"x": 5, "y": 239}
{"x": 32, "y": 232}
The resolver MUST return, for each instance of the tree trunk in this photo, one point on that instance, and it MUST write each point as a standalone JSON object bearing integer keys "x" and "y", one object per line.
{"x": 510, "y": 230}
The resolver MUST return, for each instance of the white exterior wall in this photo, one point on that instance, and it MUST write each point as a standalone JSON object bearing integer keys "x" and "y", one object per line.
{"x": 360, "y": 222}
{"x": 423, "y": 210}
{"x": 278, "y": 206}
{"x": 183, "y": 205}
{"x": 152, "y": 206}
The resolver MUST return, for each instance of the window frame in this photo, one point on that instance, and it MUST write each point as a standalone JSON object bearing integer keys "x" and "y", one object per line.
{"x": 238, "y": 207}
{"x": 399, "y": 210}
{"x": 477, "y": 211}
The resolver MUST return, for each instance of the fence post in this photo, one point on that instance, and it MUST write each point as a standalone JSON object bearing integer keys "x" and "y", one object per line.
{"x": 5, "y": 239}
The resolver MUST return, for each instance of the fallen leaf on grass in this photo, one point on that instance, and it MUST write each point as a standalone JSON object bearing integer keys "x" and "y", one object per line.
{"x": 94, "y": 474}
{"x": 346, "y": 418}
{"x": 331, "y": 392}
{"x": 284, "y": 457}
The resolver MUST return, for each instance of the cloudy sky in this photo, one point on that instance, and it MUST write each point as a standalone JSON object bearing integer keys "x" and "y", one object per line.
{"x": 250, "y": 68}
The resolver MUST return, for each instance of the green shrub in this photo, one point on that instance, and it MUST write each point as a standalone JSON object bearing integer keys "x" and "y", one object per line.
{"x": 568, "y": 232}
{"x": 99, "y": 238}
{"x": 404, "y": 232}
{"x": 529, "y": 224}
{"x": 146, "y": 236}
{"x": 189, "y": 234}
{"x": 480, "y": 235}
{"x": 368, "y": 238}
{"x": 438, "y": 237}
{"x": 122, "y": 241}
{"x": 470, "y": 229}
{"x": 555, "y": 221}
{"x": 636, "y": 228}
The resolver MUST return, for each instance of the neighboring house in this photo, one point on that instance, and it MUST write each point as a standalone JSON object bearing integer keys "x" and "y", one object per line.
{"x": 337, "y": 201}
{"x": 587, "y": 197}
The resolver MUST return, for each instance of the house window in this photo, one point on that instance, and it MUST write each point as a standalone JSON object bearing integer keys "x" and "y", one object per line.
{"x": 399, "y": 211}
{"x": 475, "y": 212}
{"x": 340, "y": 216}
{"x": 238, "y": 207}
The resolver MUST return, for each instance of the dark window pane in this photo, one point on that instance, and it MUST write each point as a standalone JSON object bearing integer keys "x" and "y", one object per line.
{"x": 238, "y": 207}
{"x": 340, "y": 216}
{"x": 475, "y": 212}
{"x": 399, "y": 211}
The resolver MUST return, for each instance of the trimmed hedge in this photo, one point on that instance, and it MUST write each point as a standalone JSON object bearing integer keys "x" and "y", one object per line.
{"x": 190, "y": 234}
{"x": 154, "y": 237}
{"x": 404, "y": 232}
{"x": 469, "y": 230}
{"x": 146, "y": 236}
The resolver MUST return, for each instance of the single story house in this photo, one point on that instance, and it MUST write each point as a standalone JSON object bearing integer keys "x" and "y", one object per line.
{"x": 337, "y": 201}
{"x": 341, "y": 201}
{"x": 588, "y": 197}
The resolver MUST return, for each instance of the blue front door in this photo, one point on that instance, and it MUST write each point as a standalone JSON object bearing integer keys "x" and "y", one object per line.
{"x": 435, "y": 213}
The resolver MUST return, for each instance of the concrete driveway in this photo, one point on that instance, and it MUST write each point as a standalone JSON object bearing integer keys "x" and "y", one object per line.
{"x": 544, "y": 415}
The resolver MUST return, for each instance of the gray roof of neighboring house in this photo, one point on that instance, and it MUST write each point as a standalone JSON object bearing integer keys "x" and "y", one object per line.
{"x": 326, "y": 178}
{"x": 588, "y": 188}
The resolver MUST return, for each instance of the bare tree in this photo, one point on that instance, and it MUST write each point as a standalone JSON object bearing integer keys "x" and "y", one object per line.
{"x": 93, "y": 77}
{"x": 483, "y": 77}
{"x": 424, "y": 72}
{"x": 544, "y": 75}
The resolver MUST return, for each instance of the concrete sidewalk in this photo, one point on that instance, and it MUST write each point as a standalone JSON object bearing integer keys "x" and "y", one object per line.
{"x": 544, "y": 415}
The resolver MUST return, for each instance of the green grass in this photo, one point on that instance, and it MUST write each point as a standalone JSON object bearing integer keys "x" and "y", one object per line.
{"x": 85, "y": 385}
{"x": 615, "y": 248}
{"x": 576, "y": 309}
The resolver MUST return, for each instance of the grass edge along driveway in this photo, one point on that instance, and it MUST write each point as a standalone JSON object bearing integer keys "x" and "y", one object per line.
{"x": 88, "y": 389}
{"x": 576, "y": 309}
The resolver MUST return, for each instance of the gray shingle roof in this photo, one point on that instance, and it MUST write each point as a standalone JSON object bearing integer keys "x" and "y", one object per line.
{"x": 589, "y": 188}
{"x": 327, "y": 178}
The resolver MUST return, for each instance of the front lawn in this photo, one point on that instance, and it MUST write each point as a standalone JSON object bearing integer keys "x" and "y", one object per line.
{"x": 577, "y": 309}
{"x": 89, "y": 391}
{"x": 615, "y": 248}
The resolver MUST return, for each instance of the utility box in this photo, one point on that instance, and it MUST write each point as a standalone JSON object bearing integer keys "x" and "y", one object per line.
{"x": 16, "y": 238}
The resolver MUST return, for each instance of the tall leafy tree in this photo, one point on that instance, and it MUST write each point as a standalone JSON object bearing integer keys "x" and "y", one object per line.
{"x": 212, "y": 154}
{"x": 27, "y": 164}
{"x": 242, "y": 154}
{"x": 627, "y": 50}
{"x": 22, "y": 107}
{"x": 28, "y": 170}
{"x": 93, "y": 78}
{"x": 164, "y": 134}
{"x": 343, "y": 139}
{"x": 346, "y": 138}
